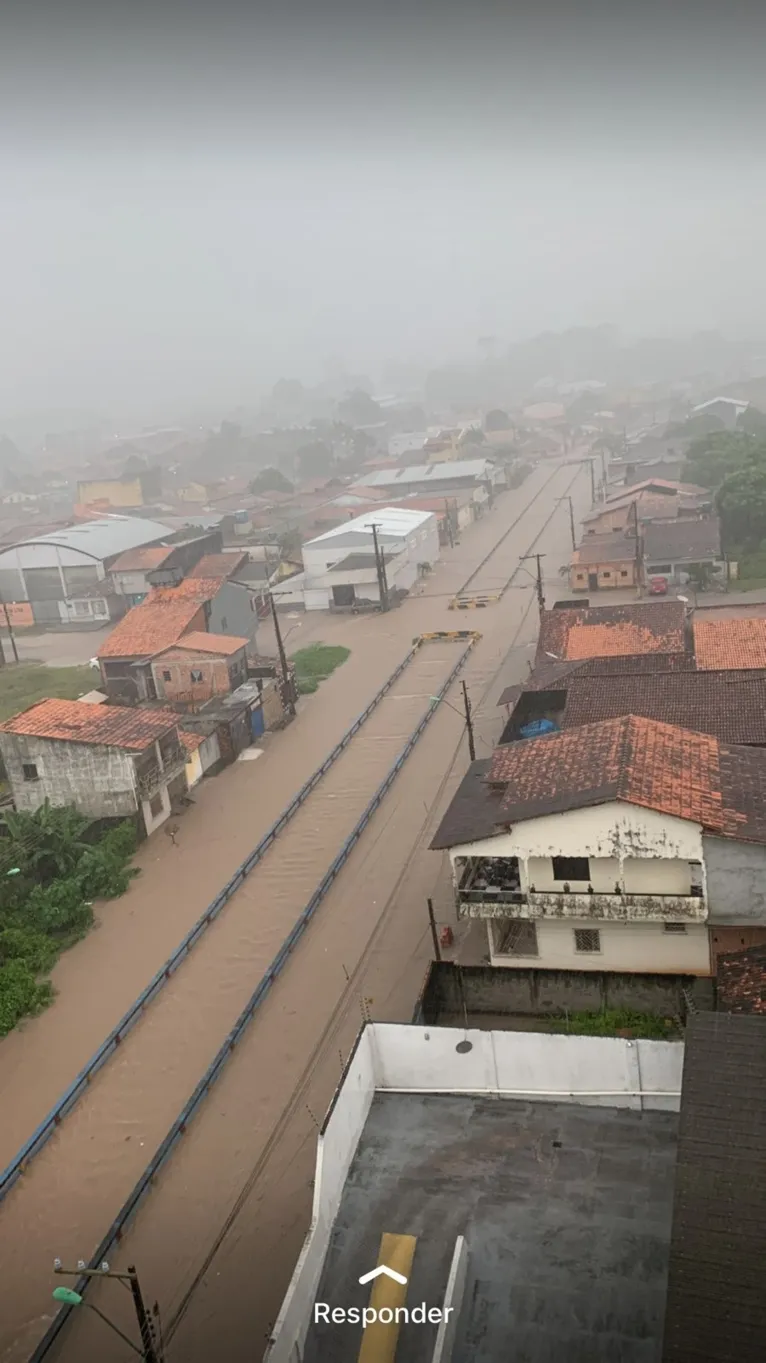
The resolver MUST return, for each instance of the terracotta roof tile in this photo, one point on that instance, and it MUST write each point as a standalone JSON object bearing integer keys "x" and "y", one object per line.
{"x": 658, "y": 766}
{"x": 197, "y": 641}
{"x": 730, "y": 705}
{"x": 191, "y": 589}
{"x": 142, "y": 560}
{"x": 612, "y": 631}
{"x": 74, "y": 721}
{"x": 730, "y": 643}
{"x": 217, "y": 565}
{"x": 150, "y": 628}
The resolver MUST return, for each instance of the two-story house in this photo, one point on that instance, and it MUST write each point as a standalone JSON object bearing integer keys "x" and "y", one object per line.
{"x": 108, "y": 761}
{"x": 626, "y": 845}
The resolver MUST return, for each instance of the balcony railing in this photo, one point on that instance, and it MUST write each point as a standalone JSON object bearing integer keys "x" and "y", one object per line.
{"x": 634, "y": 908}
{"x": 150, "y": 780}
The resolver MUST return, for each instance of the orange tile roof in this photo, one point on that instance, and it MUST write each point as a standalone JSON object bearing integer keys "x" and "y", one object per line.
{"x": 150, "y": 627}
{"x": 74, "y": 721}
{"x": 612, "y": 631}
{"x": 197, "y": 641}
{"x": 643, "y": 762}
{"x": 191, "y": 589}
{"x": 730, "y": 643}
{"x": 142, "y": 560}
{"x": 218, "y": 565}
{"x": 191, "y": 741}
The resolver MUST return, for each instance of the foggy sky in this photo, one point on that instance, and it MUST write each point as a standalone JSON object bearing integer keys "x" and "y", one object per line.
{"x": 194, "y": 206}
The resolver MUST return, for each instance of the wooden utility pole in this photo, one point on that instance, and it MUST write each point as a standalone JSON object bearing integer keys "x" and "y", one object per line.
{"x": 287, "y": 684}
{"x": 539, "y": 579}
{"x": 380, "y": 564}
{"x": 469, "y": 723}
{"x": 434, "y": 933}
{"x": 9, "y": 627}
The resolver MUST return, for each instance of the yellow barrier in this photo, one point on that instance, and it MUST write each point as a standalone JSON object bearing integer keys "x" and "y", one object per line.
{"x": 472, "y": 634}
{"x": 380, "y": 1338}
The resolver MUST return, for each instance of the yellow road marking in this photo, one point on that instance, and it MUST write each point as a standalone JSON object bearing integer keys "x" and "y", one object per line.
{"x": 380, "y": 1339}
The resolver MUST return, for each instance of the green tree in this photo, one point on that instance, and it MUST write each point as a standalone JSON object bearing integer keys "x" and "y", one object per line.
{"x": 270, "y": 480}
{"x": 314, "y": 460}
{"x": 714, "y": 457}
{"x": 497, "y": 420}
{"x": 472, "y": 437}
{"x": 741, "y": 503}
{"x": 359, "y": 409}
{"x": 753, "y": 421}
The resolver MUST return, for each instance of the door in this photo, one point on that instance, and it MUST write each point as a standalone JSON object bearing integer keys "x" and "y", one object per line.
{"x": 344, "y": 594}
{"x": 256, "y": 721}
{"x": 592, "y": 582}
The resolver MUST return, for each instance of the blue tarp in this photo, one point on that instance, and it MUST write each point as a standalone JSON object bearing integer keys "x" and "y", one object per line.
{"x": 536, "y": 727}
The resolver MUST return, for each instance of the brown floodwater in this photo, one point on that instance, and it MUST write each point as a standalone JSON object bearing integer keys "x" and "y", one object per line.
{"x": 217, "y": 1238}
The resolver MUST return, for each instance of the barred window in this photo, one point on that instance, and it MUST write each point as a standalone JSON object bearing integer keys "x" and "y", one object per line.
{"x": 587, "y": 939}
{"x": 517, "y": 938}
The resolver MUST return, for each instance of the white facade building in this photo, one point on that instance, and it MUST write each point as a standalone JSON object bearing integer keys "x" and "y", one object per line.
{"x": 607, "y": 847}
{"x": 339, "y": 566}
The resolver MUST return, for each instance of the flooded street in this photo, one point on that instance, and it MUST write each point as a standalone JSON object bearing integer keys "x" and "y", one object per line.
{"x": 217, "y": 1238}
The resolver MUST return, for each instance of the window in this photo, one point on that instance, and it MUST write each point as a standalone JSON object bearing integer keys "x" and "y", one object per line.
{"x": 156, "y": 806}
{"x": 517, "y": 938}
{"x": 99, "y": 608}
{"x": 623, "y": 572}
{"x": 30, "y": 771}
{"x": 166, "y": 675}
{"x": 196, "y": 674}
{"x": 675, "y": 927}
{"x": 587, "y": 940}
{"x": 81, "y": 607}
{"x": 606, "y": 573}
{"x": 571, "y": 868}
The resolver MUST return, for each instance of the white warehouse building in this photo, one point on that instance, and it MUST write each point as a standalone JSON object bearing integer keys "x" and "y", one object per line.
{"x": 339, "y": 568}
{"x": 62, "y": 578}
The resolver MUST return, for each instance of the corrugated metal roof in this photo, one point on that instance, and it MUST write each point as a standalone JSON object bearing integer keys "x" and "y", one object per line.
{"x": 102, "y": 538}
{"x": 432, "y": 473}
{"x": 390, "y": 520}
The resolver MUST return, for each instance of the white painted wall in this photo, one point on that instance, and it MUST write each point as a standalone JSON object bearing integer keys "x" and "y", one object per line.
{"x": 614, "y": 830}
{"x": 641, "y": 947}
{"x": 336, "y": 1148}
{"x": 446, "y": 1334}
{"x": 153, "y": 821}
{"x": 596, "y": 1071}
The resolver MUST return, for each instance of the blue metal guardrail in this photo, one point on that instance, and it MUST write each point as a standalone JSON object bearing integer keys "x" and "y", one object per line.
{"x": 178, "y": 1129}
{"x": 77, "y": 1088}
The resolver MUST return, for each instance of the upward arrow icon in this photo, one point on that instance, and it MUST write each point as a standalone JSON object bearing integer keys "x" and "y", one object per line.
{"x": 389, "y": 1272}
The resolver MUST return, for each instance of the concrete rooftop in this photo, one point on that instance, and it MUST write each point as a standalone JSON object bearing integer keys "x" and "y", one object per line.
{"x": 566, "y": 1210}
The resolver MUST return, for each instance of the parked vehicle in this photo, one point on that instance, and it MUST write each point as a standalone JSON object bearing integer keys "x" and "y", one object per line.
{"x": 658, "y": 586}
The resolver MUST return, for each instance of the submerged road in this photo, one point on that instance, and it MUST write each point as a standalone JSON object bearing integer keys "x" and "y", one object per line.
{"x": 217, "y": 1238}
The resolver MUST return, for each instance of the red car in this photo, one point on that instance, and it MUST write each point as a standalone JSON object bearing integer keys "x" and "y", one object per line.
{"x": 658, "y": 586}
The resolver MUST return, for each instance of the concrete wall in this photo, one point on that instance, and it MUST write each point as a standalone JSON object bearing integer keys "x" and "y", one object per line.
{"x": 115, "y": 491}
{"x": 219, "y": 675}
{"x": 98, "y": 781}
{"x": 610, "y": 575}
{"x": 642, "y": 947}
{"x": 130, "y": 584}
{"x": 232, "y": 611}
{"x": 736, "y": 881}
{"x": 545, "y": 993}
{"x": 596, "y": 1071}
{"x": 155, "y": 816}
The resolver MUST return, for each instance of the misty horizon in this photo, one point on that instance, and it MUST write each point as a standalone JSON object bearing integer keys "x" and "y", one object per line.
{"x": 192, "y": 212}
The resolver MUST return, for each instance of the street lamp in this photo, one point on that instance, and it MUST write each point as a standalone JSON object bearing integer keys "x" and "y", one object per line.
{"x": 69, "y": 1297}
{"x": 439, "y": 700}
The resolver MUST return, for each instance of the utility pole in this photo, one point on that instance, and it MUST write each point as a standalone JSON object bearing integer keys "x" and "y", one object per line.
{"x": 638, "y": 543}
{"x": 539, "y": 579}
{"x": 449, "y": 524}
{"x": 381, "y": 569}
{"x": 571, "y": 521}
{"x": 592, "y": 481}
{"x": 283, "y": 661}
{"x": 9, "y": 627}
{"x": 149, "y": 1350}
{"x": 469, "y": 723}
{"x": 434, "y": 933}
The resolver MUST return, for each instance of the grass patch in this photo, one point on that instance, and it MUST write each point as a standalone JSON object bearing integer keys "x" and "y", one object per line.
{"x": 315, "y": 663}
{"x": 24, "y": 683}
{"x": 621, "y": 1022}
